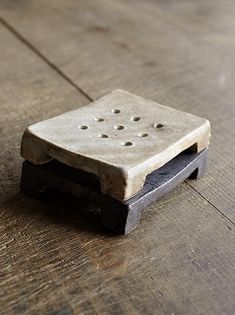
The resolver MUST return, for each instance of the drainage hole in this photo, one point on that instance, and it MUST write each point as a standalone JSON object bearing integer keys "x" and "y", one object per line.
{"x": 103, "y": 135}
{"x": 120, "y": 127}
{"x": 116, "y": 111}
{"x": 158, "y": 126}
{"x": 135, "y": 118}
{"x": 143, "y": 135}
{"x": 128, "y": 143}
{"x": 99, "y": 119}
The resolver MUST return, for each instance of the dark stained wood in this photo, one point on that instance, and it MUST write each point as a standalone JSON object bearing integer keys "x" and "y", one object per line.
{"x": 55, "y": 56}
{"x": 117, "y": 217}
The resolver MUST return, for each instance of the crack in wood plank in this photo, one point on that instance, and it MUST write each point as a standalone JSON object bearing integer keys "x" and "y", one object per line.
{"x": 42, "y": 56}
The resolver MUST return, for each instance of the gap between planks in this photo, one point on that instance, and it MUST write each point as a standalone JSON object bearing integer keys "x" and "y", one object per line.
{"x": 214, "y": 207}
{"x": 22, "y": 39}
{"x": 43, "y": 57}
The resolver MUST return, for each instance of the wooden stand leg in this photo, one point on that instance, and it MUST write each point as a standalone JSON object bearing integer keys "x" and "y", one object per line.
{"x": 33, "y": 182}
{"x": 200, "y": 170}
{"x": 114, "y": 218}
{"x": 118, "y": 217}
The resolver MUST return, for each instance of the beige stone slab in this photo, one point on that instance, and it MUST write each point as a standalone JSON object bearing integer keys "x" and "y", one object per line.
{"x": 121, "y": 138}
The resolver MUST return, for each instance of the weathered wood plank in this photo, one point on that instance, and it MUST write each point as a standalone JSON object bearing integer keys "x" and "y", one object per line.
{"x": 180, "y": 55}
{"x": 29, "y": 92}
{"x": 181, "y": 259}
{"x": 175, "y": 262}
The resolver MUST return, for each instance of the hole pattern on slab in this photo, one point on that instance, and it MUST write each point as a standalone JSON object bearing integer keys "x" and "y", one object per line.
{"x": 142, "y": 134}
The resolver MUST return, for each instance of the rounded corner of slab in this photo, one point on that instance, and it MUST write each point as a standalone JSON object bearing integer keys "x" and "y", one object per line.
{"x": 32, "y": 149}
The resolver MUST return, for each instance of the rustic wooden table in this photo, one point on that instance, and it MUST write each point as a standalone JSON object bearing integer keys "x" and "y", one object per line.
{"x": 58, "y": 55}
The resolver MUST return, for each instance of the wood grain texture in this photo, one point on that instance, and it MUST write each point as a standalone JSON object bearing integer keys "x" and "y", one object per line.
{"x": 54, "y": 257}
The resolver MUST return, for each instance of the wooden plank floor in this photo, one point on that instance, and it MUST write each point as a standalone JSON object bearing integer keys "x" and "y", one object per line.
{"x": 58, "y": 55}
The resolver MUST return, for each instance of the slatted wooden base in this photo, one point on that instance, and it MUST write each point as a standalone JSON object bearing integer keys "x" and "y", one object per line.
{"x": 118, "y": 217}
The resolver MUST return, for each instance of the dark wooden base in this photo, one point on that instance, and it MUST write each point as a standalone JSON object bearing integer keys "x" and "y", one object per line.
{"x": 118, "y": 217}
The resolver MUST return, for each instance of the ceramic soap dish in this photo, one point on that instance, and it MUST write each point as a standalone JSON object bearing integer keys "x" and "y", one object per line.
{"x": 121, "y": 152}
